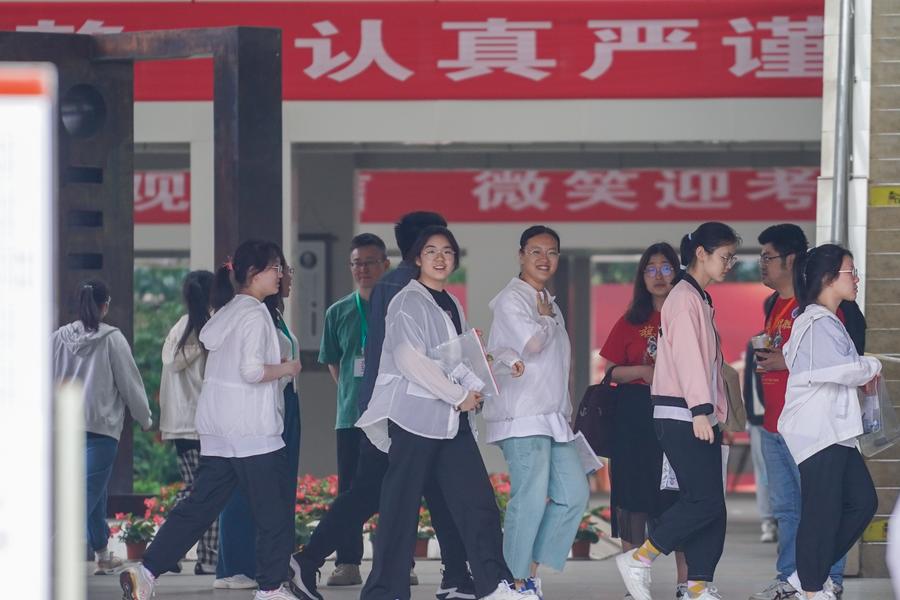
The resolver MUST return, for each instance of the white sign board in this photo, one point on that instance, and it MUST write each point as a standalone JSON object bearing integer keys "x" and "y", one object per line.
{"x": 27, "y": 193}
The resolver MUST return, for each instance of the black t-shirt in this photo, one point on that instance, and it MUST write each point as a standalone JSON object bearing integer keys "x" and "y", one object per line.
{"x": 447, "y": 304}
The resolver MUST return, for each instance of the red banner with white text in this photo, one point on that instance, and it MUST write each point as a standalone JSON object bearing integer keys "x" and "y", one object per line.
{"x": 625, "y": 195}
{"x": 484, "y": 50}
{"x": 162, "y": 197}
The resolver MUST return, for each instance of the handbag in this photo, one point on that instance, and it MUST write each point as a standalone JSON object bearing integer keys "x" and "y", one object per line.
{"x": 596, "y": 416}
{"x": 737, "y": 411}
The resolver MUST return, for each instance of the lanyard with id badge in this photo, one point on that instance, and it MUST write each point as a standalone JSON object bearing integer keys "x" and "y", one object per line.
{"x": 359, "y": 362}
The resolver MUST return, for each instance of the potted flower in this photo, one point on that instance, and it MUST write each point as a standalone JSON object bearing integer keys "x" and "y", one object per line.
{"x": 424, "y": 533}
{"x": 135, "y": 532}
{"x": 588, "y": 533}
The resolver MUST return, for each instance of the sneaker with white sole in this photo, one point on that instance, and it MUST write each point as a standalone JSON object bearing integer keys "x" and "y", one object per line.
{"x": 304, "y": 578}
{"x": 836, "y": 589}
{"x": 534, "y": 584}
{"x": 681, "y": 592}
{"x": 635, "y": 574}
{"x": 282, "y": 593}
{"x": 776, "y": 590}
{"x": 507, "y": 591}
{"x": 344, "y": 575}
{"x": 137, "y": 583}
{"x": 109, "y": 565}
{"x": 710, "y": 593}
{"x": 235, "y": 582}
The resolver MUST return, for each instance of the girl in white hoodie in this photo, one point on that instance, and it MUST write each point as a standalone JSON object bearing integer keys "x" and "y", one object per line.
{"x": 184, "y": 361}
{"x": 239, "y": 421}
{"x": 821, "y": 418}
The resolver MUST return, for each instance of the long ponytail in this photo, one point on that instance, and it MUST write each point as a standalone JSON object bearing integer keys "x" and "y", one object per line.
{"x": 92, "y": 295}
{"x": 196, "y": 292}
{"x": 250, "y": 258}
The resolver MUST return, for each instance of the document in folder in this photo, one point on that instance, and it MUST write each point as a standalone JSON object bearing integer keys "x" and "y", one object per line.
{"x": 464, "y": 360}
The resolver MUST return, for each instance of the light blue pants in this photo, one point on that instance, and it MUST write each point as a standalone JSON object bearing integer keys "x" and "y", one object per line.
{"x": 784, "y": 497}
{"x": 549, "y": 493}
{"x": 759, "y": 473}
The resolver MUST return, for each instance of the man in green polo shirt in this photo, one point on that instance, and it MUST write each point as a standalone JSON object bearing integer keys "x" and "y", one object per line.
{"x": 343, "y": 342}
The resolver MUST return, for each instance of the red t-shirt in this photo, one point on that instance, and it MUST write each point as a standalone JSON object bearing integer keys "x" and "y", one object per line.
{"x": 632, "y": 345}
{"x": 774, "y": 383}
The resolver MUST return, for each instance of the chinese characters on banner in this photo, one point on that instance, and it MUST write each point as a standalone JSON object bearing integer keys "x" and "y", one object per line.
{"x": 162, "y": 197}
{"x": 487, "y": 50}
{"x": 778, "y": 194}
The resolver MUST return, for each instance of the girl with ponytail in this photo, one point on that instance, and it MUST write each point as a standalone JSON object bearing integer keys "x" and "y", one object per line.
{"x": 689, "y": 402}
{"x": 98, "y": 356}
{"x": 237, "y": 561}
{"x": 239, "y": 423}
{"x": 184, "y": 362}
{"x": 822, "y": 418}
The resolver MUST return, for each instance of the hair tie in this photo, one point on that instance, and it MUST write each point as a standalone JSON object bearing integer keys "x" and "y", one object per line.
{"x": 87, "y": 286}
{"x": 690, "y": 237}
{"x": 682, "y": 267}
{"x": 228, "y": 264}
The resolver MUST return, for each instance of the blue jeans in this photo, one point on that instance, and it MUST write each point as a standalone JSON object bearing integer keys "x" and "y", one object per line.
{"x": 759, "y": 473}
{"x": 237, "y": 534}
{"x": 535, "y": 530}
{"x": 99, "y": 458}
{"x": 784, "y": 498}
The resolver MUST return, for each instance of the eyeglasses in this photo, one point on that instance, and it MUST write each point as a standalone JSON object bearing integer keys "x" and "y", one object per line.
{"x": 432, "y": 253}
{"x": 535, "y": 253}
{"x": 277, "y": 268}
{"x": 854, "y": 271}
{"x": 359, "y": 265}
{"x": 729, "y": 261}
{"x": 765, "y": 258}
{"x": 653, "y": 271}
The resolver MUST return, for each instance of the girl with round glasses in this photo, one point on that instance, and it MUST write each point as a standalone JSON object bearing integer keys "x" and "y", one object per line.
{"x": 636, "y": 461}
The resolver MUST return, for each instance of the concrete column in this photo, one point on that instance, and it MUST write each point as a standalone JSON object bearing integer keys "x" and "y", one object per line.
{"x": 202, "y": 221}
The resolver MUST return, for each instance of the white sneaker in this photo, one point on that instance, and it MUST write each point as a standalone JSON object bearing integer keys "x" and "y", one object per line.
{"x": 776, "y": 590}
{"x": 282, "y": 593}
{"x": 137, "y": 583}
{"x": 235, "y": 582}
{"x": 710, "y": 593}
{"x": 681, "y": 592}
{"x": 635, "y": 574}
{"x": 505, "y": 591}
{"x": 109, "y": 565}
{"x": 769, "y": 531}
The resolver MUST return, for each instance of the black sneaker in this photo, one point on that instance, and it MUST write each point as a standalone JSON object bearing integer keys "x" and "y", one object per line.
{"x": 200, "y": 570}
{"x": 456, "y": 588}
{"x": 303, "y": 579}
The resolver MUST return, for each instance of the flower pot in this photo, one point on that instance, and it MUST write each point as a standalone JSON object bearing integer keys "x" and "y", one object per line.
{"x": 421, "y": 548}
{"x": 135, "y": 550}
{"x": 581, "y": 549}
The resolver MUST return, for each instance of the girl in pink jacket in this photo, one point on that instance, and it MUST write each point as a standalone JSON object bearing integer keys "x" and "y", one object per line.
{"x": 689, "y": 402}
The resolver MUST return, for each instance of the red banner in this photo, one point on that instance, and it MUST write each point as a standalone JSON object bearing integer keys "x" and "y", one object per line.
{"x": 162, "y": 197}
{"x": 485, "y": 50}
{"x": 520, "y": 195}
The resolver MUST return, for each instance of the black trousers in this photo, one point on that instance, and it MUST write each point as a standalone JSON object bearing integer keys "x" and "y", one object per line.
{"x": 350, "y": 510}
{"x": 264, "y": 480}
{"x": 459, "y": 471}
{"x": 837, "y": 503}
{"x": 695, "y": 524}
{"x": 350, "y": 553}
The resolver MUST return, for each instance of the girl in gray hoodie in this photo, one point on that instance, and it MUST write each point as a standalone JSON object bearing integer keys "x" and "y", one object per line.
{"x": 98, "y": 356}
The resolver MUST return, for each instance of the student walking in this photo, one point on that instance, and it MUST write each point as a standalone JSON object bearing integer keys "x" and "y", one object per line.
{"x": 689, "y": 402}
{"x": 529, "y": 420}
{"x": 782, "y": 246}
{"x": 240, "y": 424}
{"x": 236, "y": 566}
{"x": 636, "y": 462}
{"x": 351, "y": 509}
{"x": 98, "y": 356}
{"x": 821, "y": 418}
{"x": 343, "y": 340}
{"x": 421, "y": 418}
{"x": 184, "y": 362}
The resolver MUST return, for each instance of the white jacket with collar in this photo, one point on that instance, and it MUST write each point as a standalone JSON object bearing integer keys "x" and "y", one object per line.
{"x": 821, "y": 406}
{"x": 411, "y": 389}
{"x": 537, "y": 402}
{"x": 237, "y": 416}
{"x": 180, "y": 384}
